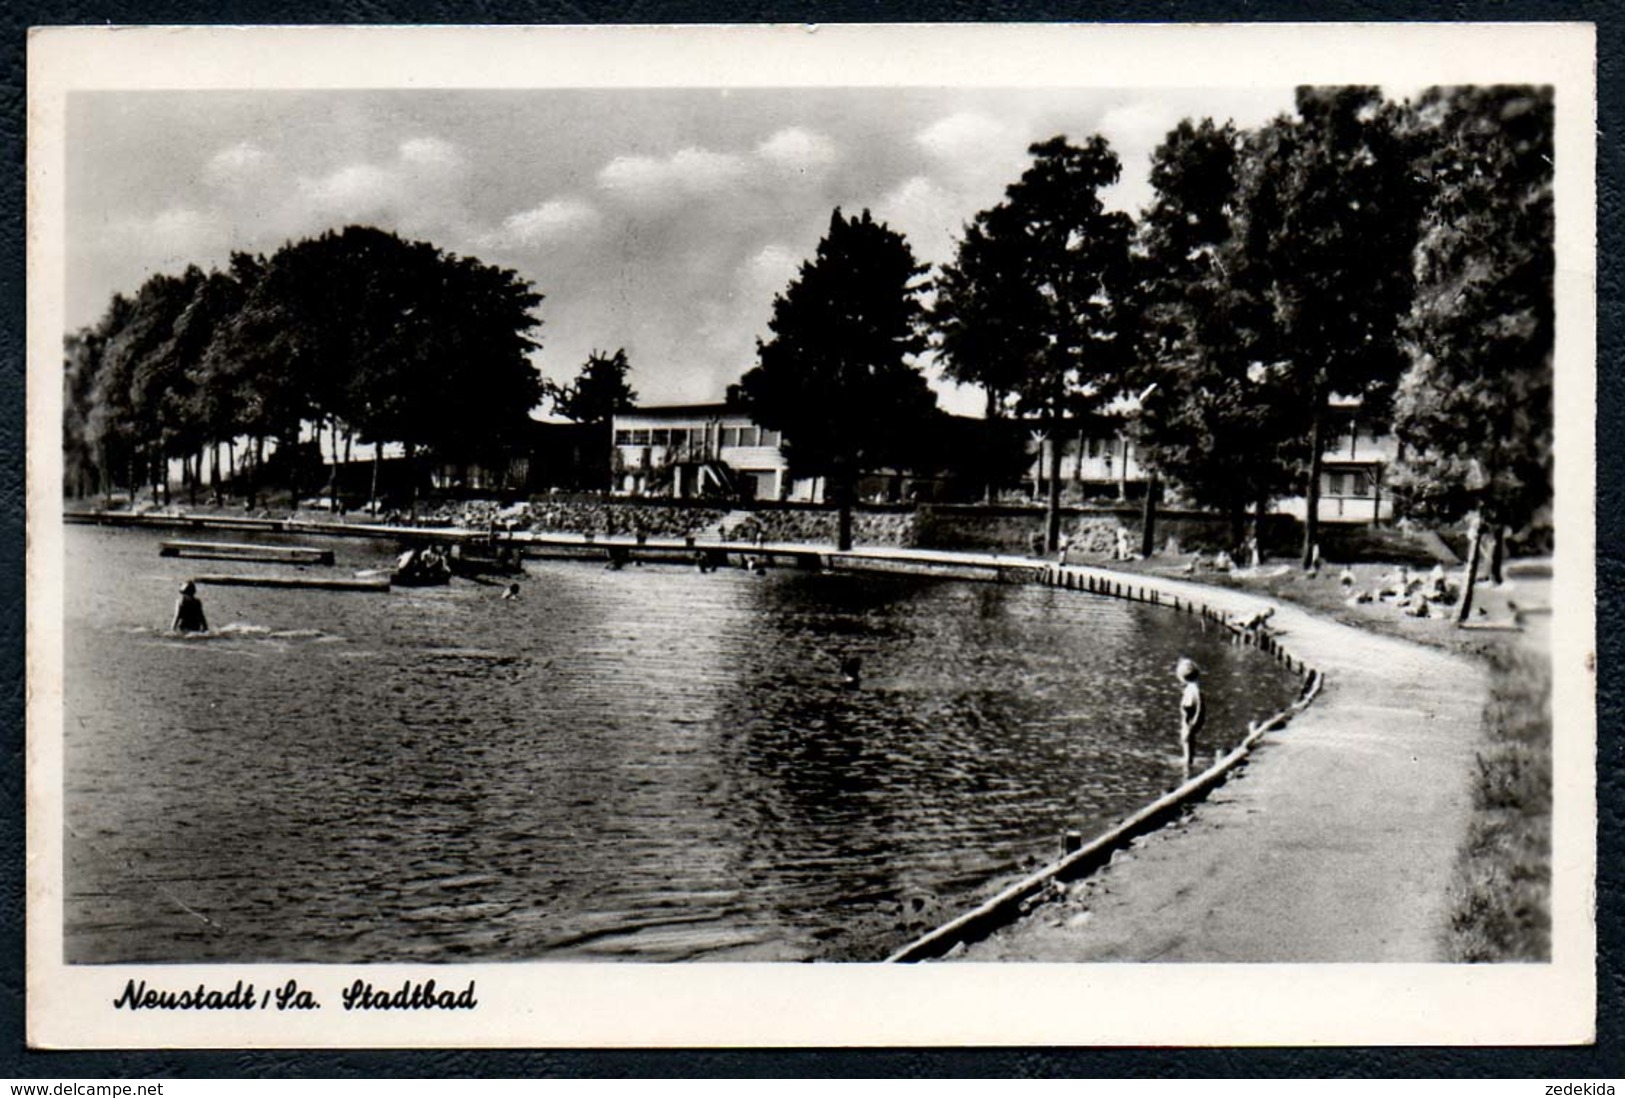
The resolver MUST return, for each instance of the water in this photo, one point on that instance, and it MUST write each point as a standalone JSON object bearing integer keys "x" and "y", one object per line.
{"x": 650, "y": 764}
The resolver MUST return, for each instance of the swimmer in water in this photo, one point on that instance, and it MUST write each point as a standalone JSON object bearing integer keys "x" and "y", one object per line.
{"x": 1192, "y": 711}
{"x": 852, "y": 671}
{"x": 189, "y": 611}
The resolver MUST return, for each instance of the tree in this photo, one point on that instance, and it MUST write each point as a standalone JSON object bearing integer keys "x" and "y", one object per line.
{"x": 389, "y": 338}
{"x": 1220, "y": 411}
{"x": 978, "y": 310}
{"x": 836, "y": 377}
{"x": 599, "y": 390}
{"x": 1474, "y": 409}
{"x": 356, "y": 330}
{"x": 1036, "y": 303}
{"x": 472, "y": 331}
{"x": 1333, "y": 212}
{"x": 213, "y": 410}
{"x": 1178, "y": 373}
{"x": 92, "y": 428}
{"x": 143, "y": 390}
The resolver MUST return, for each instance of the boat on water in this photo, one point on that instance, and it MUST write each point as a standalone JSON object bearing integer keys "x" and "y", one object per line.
{"x": 421, "y": 568}
{"x": 476, "y": 562}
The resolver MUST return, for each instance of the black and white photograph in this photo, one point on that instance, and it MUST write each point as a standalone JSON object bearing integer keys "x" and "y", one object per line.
{"x": 695, "y": 535}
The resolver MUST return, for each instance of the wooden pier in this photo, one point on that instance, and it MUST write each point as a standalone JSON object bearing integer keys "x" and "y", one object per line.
{"x": 262, "y": 554}
{"x": 313, "y": 583}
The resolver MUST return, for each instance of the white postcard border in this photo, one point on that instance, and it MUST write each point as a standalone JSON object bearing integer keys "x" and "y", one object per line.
{"x": 581, "y": 1005}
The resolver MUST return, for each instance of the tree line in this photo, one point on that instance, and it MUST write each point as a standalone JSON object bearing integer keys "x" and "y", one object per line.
{"x": 358, "y": 334}
{"x": 1398, "y": 254}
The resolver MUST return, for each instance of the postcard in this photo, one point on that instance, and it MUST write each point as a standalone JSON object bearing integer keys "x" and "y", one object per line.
{"x": 853, "y": 535}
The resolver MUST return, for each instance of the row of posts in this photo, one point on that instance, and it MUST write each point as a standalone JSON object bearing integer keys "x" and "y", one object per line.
{"x": 1057, "y": 576}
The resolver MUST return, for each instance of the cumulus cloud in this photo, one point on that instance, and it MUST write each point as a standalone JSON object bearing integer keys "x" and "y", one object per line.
{"x": 963, "y": 136}
{"x": 430, "y": 152}
{"x": 975, "y": 154}
{"x": 555, "y": 218}
{"x": 356, "y": 190}
{"x": 798, "y": 150}
{"x": 421, "y": 188}
{"x": 686, "y": 173}
{"x": 170, "y": 238}
{"x": 929, "y": 214}
{"x": 236, "y": 165}
{"x": 773, "y": 267}
{"x": 1135, "y": 130}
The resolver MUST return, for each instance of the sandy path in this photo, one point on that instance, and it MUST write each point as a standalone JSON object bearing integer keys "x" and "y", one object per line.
{"x": 1334, "y": 843}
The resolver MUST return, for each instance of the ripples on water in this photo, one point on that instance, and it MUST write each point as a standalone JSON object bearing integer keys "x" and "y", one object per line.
{"x": 648, "y": 764}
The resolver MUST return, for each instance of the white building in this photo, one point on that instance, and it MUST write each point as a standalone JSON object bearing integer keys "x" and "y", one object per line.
{"x": 693, "y": 451}
{"x": 1094, "y": 465}
{"x": 689, "y": 451}
{"x": 1352, "y": 469}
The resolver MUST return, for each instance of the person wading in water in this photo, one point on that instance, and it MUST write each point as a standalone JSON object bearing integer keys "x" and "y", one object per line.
{"x": 1192, "y": 711}
{"x": 189, "y": 611}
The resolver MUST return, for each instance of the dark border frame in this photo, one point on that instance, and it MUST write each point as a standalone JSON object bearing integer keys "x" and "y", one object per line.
{"x": 1605, "y": 1059}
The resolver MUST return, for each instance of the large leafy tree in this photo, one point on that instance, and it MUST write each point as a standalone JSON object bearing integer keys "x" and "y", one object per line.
{"x": 1185, "y": 380}
{"x": 96, "y": 428}
{"x": 213, "y": 409}
{"x": 600, "y": 389}
{"x": 391, "y": 339}
{"x": 1474, "y": 410}
{"x": 1225, "y": 416}
{"x": 979, "y": 308}
{"x": 1035, "y": 306}
{"x": 837, "y": 376}
{"x": 143, "y": 390}
{"x": 1332, "y": 218}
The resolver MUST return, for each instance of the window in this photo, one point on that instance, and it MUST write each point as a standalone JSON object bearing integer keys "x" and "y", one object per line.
{"x": 747, "y": 436}
{"x": 730, "y": 436}
{"x": 679, "y": 437}
{"x": 771, "y": 438}
{"x": 640, "y": 437}
{"x": 660, "y": 436}
{"x": 623, "y": 437}
{"x": 1335, "y": 484}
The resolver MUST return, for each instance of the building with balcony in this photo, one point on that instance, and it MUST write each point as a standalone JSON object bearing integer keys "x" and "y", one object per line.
{"x": 700, "y": 451}
{"x": 1097, "y": 462}
{"x": 1352, "y": 468}
{"x": 696, "y": 451}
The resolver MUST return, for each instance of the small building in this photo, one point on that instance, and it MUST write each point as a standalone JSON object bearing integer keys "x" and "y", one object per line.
{"x": 552, "y": 457}
{"x": 1352, "y": 469}
{"x": 1097, "y": 462}
{"x": 698, "y": 451}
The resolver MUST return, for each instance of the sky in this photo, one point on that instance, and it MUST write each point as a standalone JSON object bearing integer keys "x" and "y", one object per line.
{"x": 658, "y": 221}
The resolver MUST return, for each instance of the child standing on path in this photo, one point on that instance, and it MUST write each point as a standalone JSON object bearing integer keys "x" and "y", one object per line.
{"x": 1192, "y": 712}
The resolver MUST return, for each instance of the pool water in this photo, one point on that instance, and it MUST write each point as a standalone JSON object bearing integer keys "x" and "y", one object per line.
{"x": 644, "y": 764}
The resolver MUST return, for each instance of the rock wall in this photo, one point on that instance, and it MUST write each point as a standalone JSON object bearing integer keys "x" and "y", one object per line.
{"x": 1092, "y": 533}
{"x": 893, "y": 528}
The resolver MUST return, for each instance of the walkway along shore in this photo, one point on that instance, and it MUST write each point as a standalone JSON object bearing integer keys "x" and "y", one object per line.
{"x": 1327, "y": 839}
{"x": 1335, "y": 844}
